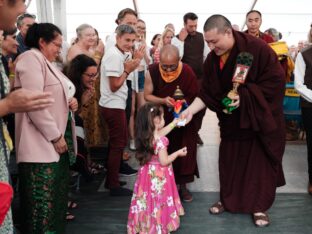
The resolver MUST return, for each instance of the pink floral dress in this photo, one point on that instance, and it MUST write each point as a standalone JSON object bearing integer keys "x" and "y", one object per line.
{"x": 155, "y": 204}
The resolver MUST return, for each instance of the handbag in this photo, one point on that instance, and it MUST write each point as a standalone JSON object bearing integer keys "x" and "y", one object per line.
{"x": 6, "y": 196}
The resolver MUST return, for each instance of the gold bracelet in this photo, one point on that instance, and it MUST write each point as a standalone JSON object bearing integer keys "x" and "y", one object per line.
{"x": 172, "y": 125}
{"x": 11, "y": 75}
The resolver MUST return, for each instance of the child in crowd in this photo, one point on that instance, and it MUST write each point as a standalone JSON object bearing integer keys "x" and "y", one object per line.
{"x": 155, "y": 205}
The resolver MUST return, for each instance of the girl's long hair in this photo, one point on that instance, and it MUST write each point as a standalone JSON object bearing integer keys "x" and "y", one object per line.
{"x": 74, "y": 71}
{"x": 145, "y": 131}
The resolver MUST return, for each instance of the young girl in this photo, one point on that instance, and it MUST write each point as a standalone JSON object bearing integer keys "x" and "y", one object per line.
{"x": 155, "y": 205}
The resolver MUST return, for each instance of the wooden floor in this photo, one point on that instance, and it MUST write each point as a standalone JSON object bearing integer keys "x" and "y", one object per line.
{"x": 291, "y": 212}
{"x": 99, "y": 213}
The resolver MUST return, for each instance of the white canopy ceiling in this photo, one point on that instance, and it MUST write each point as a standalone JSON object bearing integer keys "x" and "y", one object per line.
{"x": 291, "y": 18}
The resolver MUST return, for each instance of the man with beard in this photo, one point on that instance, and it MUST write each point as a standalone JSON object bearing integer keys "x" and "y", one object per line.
{"x": 195, "y": 52}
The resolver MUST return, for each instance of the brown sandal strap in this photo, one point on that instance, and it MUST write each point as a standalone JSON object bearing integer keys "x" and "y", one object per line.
{"x": 219, "y": 206}
{"x": 262, "y": 217}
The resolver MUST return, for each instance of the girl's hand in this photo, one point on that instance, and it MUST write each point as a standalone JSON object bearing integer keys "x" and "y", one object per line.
{"x": 73, "y": 104}
{"x": 182, "y": 152}
{"x": 175, "y": 121}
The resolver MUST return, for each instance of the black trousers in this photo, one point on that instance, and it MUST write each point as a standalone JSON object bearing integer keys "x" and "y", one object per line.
{"x": 307, "y": 123}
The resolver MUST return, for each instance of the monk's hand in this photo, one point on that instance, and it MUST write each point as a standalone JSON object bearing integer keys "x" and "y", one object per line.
{"x": 235, "y": 101}
{"x": 73, "y": 104}
{"x": 23, "y": 100}
{"x": 60, "y": 145}
{"x": 186, "y": 115}
{"x": 169, "y": 101}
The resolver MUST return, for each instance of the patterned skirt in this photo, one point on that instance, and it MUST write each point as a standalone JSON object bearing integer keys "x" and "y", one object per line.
{"x": 43, "y": 189}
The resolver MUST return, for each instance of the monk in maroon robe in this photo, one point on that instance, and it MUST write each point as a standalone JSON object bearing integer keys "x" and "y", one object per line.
{"x": 160, "y": 85}
{"x": 252, "y": 137}
{"x": 253, "y": 22}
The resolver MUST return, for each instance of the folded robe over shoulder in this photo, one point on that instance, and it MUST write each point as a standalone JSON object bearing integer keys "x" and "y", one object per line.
{"x": 253, "y": 136}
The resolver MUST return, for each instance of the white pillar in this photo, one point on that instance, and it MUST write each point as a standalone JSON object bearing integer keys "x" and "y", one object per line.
{"x": 44, "y": 11}
{"x": 59, "y": 7}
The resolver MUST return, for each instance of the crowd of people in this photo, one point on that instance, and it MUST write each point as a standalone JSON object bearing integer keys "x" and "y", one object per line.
{"x": 122, "y": 93}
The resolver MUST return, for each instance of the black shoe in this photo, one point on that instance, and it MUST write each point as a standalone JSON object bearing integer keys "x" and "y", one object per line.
{"x": 119, "y": 191}
{"x": 122, "y": 183}
{"x": 126, "y": 170}
{"x": 199, "y": 140}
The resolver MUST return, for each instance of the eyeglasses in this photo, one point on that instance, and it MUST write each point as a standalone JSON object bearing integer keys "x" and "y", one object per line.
{"x": 57, "y": 44}
{"x": 91, "y": 76}
{"x": 171, "y": 67}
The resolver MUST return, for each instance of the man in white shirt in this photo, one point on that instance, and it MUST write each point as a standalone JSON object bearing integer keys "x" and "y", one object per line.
{"x": 303, "y": 85}
{"x": 115, "y": 69}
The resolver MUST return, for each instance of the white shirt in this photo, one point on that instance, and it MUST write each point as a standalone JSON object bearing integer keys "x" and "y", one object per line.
{"x": 113, "y": 66}
{"x": 180, "y": 45}
{"x": 299, "y": 72}
{"x": 110, "y": 41}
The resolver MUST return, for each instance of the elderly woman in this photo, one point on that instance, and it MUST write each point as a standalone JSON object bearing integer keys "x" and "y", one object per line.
{"x": 86, "y": 38}
{"x": 44, "y": 150}
{"x": 96, "y": 131}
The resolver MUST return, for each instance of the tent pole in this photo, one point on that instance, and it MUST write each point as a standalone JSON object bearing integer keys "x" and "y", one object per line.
{"x": 252, "y": 7}
{"x": 135, "y": 5}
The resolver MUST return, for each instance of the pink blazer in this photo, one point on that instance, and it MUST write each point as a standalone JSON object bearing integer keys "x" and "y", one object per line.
{"x": 35, "y": 130}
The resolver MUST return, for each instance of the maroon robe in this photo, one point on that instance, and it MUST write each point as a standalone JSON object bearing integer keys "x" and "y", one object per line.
{"x": 253, "y": 136}
{"x": 266, "y": 37}
{"x": 184, "y": 167}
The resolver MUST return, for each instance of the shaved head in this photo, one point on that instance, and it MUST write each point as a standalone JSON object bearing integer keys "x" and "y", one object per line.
{"x": 219, "y": 22}
{"x": 169, "y": 52}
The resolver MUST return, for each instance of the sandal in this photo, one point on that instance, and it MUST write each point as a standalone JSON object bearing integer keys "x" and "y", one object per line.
{"x": 69, "y": 216}
{"x": 94, "y": 171}
{"x": 96, "y": 166}
{"x": 217, "y": 208}
{"x": 186, "y": 195}
{"x": 71, "y": 205}
{"x": 261, "y": 219}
